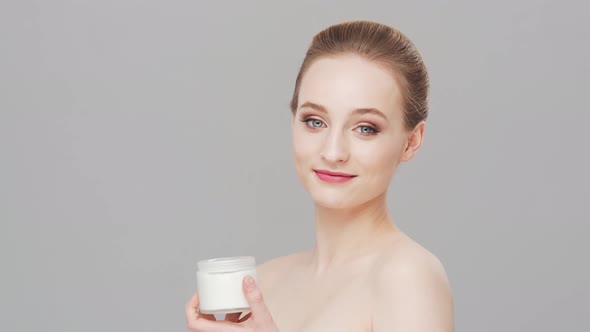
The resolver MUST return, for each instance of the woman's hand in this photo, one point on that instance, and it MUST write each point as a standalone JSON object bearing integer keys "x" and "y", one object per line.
{"x": 258, "y": 320}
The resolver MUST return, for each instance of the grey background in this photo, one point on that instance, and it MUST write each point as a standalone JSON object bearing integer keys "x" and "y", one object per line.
{"x": 138, "y": 137}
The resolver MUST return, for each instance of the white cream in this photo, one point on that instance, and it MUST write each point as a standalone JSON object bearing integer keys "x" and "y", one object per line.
{"x": 219, "y": 284}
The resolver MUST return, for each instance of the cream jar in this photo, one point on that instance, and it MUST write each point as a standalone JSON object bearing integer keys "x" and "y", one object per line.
{"x": 219, "y": 284}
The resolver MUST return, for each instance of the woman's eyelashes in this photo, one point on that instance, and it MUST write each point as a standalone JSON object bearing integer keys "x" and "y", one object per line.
{"x": 316, "y": 123}
{"x": 371, "y": 130}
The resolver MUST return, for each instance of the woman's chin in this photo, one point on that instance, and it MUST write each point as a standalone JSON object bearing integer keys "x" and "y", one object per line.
{"x": 331, "y": 202}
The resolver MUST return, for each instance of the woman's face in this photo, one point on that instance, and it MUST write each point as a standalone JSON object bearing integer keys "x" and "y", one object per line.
{"x": 328, "y": 134}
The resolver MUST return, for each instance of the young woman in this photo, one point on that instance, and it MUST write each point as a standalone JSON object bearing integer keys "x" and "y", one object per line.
{"x": 359, "y": 109}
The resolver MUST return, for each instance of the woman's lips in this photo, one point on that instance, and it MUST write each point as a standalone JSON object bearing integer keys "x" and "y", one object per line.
{"x": 333, "y": 178}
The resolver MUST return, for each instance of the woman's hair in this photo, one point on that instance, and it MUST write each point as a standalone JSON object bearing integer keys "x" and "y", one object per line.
{"x": 380, "y": 44}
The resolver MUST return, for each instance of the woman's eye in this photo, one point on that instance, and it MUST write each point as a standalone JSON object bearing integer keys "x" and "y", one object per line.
{"x": 367, "y": 130}
{"x": 314, "y": 122}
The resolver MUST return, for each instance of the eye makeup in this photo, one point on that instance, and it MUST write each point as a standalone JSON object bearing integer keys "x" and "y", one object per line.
{"x": 373, "y": 128}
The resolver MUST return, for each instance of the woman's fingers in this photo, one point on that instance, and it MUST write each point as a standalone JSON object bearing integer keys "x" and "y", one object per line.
{"x": 198, "y": 322}
{"x": 260, "y": 312}
{"x": 191, "y": 310}
{"x": 203, "y": 325}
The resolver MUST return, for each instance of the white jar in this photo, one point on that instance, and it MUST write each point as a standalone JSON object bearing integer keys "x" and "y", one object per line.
{"x": 219, "y": 284}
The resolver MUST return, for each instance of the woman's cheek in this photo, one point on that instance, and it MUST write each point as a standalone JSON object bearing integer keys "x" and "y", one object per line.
{"x": 301, "y": 154}
{"x": 379, "y": 159}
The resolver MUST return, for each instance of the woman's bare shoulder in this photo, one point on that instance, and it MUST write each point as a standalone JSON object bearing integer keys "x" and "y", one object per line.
{"x": 411, "y": 282}
{"x": 404, "y": 255}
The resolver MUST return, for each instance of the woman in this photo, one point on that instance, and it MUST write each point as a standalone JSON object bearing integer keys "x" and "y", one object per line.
{"x": 359, "y": 109}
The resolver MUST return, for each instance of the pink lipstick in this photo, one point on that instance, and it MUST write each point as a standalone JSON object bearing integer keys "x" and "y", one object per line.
{"x": 333, "y": 177}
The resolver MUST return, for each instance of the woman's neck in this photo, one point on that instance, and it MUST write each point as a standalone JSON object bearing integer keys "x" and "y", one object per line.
{"x": 343, "y": 235}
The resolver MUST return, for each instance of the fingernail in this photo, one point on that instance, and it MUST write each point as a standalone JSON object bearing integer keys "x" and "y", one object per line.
{"x": 250, "y": 283}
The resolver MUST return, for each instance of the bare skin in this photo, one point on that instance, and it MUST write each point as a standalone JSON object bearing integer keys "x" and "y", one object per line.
{"x": 364, "y": 273}
{"x": 393, "y": 285}
{"x": 351, "y": 297}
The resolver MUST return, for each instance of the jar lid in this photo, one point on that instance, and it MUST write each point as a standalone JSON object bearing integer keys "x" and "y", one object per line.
{"x": 227, "y": 264}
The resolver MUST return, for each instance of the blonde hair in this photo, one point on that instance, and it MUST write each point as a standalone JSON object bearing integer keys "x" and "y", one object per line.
{"x": 383, "y": 45}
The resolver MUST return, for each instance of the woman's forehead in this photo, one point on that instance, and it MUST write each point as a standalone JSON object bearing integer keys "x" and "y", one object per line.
{"x": 349, "y": 82}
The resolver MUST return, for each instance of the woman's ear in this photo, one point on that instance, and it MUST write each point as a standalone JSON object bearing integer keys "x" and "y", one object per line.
{"x": 415, "y": 139}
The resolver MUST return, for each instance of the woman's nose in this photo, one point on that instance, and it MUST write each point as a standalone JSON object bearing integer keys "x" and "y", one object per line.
{"x": 335, "y": 148}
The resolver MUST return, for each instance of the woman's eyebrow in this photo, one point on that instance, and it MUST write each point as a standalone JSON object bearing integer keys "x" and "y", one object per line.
{"x": 322, "y": 109}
